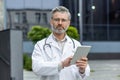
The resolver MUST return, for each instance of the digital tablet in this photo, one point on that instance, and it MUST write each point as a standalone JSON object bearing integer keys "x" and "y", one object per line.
{"x": 81, "y": 51}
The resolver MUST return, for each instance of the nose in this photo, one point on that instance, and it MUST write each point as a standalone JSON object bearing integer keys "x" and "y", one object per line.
{"x": 60, "y": 22}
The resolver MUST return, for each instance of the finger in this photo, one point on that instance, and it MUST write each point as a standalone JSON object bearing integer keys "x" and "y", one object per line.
{"x": 70, "y": 58}
{"x": 81, "y": 61}
{"x": 81, "y": 65}
{"x": 84, "y": 59}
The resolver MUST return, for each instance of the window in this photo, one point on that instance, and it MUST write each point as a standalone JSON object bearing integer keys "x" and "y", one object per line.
{"x": 24, "y": 19}
{"x": 101, "y": 20}
{"x": 114, "y": 12}
{"x": 25, "y": 31}
{"x": 44, "y": 18}
{"x": 17, "y": 18}
{"x": 18, "y": 27}
{"x": 38, "y": 16}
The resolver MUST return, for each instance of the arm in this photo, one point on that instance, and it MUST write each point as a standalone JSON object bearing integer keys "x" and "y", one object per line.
{"x": 40, "y": 65}
{"x": 65, "y": 63}
{"x": 83, "y": 67}
{"x": 80, "y": 70}
{"x": 82, "y": 64}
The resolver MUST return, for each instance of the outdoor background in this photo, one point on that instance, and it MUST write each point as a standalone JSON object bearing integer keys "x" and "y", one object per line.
{"x": 97, "y": 22}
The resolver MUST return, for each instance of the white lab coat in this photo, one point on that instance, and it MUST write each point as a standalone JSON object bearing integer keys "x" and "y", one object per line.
{"x": 45, "y": 60}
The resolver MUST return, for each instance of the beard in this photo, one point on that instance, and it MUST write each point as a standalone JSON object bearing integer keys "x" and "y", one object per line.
{"x": 59, "y": 29}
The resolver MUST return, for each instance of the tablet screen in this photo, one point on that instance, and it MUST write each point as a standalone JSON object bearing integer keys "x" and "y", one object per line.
{"x": 81, "y": 51}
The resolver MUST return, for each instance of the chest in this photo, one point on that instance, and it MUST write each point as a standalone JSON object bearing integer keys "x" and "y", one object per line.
{"x": 55, "y": 53}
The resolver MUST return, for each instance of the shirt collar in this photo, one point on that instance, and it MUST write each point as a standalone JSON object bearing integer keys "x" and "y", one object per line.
{"x": 63, "y": 40}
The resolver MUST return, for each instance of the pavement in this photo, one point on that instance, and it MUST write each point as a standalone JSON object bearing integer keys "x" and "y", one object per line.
{"x": 100, "y": 70}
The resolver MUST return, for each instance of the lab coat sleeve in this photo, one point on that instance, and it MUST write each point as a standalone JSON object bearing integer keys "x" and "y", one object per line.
{"x": 40, "y": 66}
{"x": 75, "y": 69}
{"x": 78, "y": 75}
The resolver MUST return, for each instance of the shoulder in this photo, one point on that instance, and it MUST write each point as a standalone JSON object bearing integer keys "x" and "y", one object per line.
{"x": 40, "y": 43}
{"x": 76, "y": 42}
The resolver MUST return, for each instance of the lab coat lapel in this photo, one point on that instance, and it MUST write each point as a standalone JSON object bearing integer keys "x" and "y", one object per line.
{"x": 52, "y": 42}
{"x": 68, "y": 48}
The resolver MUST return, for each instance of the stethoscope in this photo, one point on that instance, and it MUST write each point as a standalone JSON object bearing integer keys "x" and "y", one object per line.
{"x": 46, "y": 45}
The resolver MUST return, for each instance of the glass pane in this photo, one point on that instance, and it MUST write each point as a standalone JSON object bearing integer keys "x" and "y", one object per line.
{"x": 94, "y": 33}
{"x": 17, "y": 18}
{"x": 101, "y": 20}
{"x": 44, "y": 18}
{"x": 38, "y": 16}
{"x": 96, "y": 11}
{"x": 114, "y": 32}
{"x": 24, "y": 17}
{"x": 100, "y": 33}
{"x": 114, "y": 12}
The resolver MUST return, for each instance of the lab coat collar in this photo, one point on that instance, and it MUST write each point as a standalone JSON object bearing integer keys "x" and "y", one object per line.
{"x": 63, "y": 40}
{"x": 52, "y": 42}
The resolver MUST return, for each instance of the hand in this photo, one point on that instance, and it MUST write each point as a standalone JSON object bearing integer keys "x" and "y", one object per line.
{"x": 66, "y": 62}
{"x": 82, "y": 64}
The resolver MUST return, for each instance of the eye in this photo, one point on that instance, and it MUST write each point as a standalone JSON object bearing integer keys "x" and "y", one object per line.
{"x": 56, "y": 19}
{"x": 62, "y": 20}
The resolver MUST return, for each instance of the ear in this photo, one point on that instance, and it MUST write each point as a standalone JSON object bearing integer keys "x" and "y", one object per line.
{"x": 68, "y": 22}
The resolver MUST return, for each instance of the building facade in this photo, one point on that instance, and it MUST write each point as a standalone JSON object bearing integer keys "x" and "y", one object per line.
{"x": 100, "y": 22}
{"x": 25, "y": 19}
{"x": 28, "y": 13}
{"x": 101, "y": 26}
{"x": 73, "y": 6}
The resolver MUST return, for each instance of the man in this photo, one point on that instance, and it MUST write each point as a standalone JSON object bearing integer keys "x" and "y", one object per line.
{"x": 51, "y": 56}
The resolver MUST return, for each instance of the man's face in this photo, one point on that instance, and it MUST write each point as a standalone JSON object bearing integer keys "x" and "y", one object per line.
{"x": 60, "y": 22}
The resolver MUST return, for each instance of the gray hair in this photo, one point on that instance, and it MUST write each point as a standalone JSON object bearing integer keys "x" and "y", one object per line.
{"x": 60, "y": 9}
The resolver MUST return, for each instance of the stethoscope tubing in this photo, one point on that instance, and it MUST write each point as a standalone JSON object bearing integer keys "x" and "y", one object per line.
{"x": 48, "y": 45}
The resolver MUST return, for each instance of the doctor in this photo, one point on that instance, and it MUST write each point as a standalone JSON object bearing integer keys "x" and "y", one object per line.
{"x": 51, "y": 56}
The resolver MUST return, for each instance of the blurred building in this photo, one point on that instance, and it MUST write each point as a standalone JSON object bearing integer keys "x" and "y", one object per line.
{"x": 101, "y": 25}
{"x": 23, "y": 14}
{"x": 73, "y": 6}
{"x": 101, "y": 22}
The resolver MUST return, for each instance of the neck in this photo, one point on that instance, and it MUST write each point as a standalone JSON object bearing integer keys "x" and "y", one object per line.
{"x": 59, "y": 36}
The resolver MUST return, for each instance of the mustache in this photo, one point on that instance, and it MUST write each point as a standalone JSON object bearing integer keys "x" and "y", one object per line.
{"x": 60, "y": 27}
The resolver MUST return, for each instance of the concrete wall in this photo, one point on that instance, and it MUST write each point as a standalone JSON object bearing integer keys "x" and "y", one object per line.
{"x": 11, "y": 58}
{"x": 104, "y": 46}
